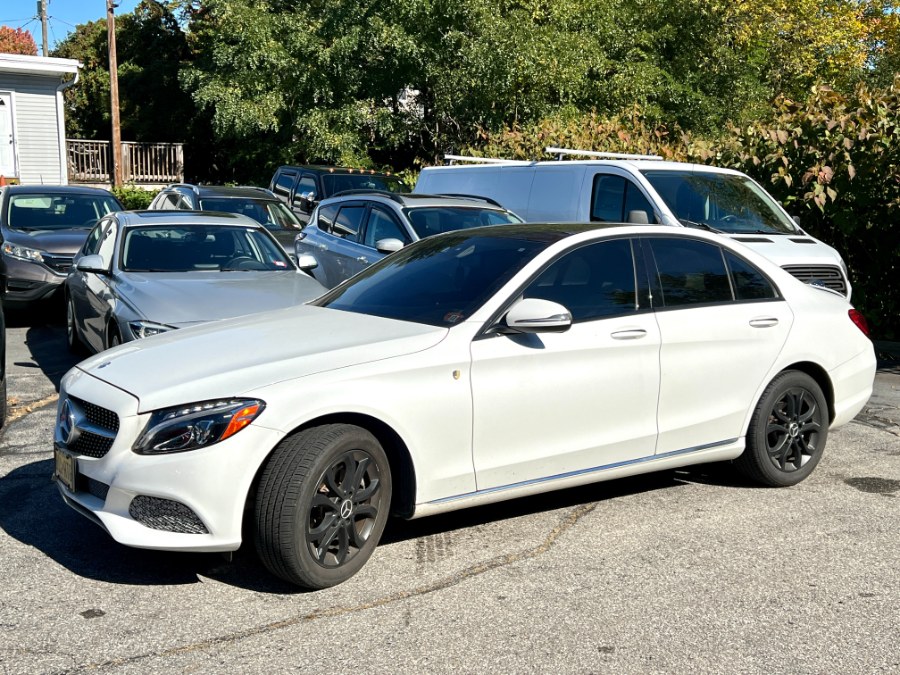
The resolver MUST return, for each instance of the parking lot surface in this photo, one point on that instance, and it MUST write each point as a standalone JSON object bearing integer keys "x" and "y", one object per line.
{"x": 682, "y": 571}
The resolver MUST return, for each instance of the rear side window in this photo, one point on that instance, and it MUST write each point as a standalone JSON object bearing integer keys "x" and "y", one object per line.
{"x": 349, "y": 222}
{"x": 325, "y": 221}
{"x": 749, "y": 282}
{"x": 617, "y": 200}
{"x": 284, "y": 181}
{"x": 690, "y": 272}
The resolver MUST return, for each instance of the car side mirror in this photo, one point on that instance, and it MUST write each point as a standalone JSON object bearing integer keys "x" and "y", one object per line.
{"x": 92, "y": 263}
{"x": 534, "y": 315}
{"x": 307, "y": 262}
{"x": 388, "y": 245}
{"x": 638, "y": 217}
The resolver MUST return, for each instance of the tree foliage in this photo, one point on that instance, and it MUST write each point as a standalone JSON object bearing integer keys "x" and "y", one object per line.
{"x": 17, "y": 41}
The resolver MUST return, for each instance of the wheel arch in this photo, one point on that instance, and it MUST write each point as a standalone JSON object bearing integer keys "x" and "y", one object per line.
{"x": 817, "y": 373}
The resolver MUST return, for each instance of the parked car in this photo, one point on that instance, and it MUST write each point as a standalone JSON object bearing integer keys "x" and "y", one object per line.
{"x": 255, "y": 202}
{"x": 142, "y": 273}
{"x": 42, "y": 227}
{"x": 467, "y": 368}
{"x": 303, "y": 187}
{"x": 349, "y": 232}
{"x": 644, "y": 189}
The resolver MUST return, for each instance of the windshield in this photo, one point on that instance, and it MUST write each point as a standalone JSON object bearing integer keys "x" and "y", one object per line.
{"x": 439, "y": 281}
{"x": 184, "y": 248}
{"x": 333, "y": 183}
{"x": 726, "y": 202}
{"x": 58, "y": 212}
{"x": 429, "y": 220}
{"x": 273, "y": 214}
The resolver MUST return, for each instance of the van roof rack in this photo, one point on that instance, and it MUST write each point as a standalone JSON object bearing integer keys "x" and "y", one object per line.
{"x": 477, "y": 198}
{"x": 562, "y": 152}
{"x": 481, "y": 160}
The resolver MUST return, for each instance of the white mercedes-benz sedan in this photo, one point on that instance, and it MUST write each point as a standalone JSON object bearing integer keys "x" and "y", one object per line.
{"x": 467, "y": 368}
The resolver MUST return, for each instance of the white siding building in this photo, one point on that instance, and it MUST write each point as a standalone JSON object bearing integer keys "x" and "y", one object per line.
{"x": 32, "y": 117}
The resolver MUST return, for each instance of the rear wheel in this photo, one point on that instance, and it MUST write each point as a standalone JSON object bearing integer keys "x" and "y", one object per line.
{"x": 322, "y": 504}
{"x": 73, "y": 341}
{"x": 788, "y": 431}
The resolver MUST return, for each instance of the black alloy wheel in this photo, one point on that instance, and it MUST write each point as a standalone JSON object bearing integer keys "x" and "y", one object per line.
{"x": 788, "y": 431}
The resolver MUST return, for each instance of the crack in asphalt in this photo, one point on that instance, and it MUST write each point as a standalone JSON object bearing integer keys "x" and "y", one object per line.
{"x": 470, "y": 572}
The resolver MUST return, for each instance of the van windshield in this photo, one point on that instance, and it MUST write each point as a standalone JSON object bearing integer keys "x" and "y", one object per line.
{"x": 726, "y": 202}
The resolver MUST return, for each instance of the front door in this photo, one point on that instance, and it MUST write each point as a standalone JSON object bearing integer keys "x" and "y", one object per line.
{"x": 7, "y": 138}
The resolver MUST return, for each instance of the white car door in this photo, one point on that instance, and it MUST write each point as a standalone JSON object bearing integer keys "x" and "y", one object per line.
{"x": 550, "y": 404}
{"x": 713, "y": 309}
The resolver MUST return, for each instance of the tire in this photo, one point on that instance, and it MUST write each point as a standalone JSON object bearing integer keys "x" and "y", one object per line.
{"x": 114, "y": 339}
{"x": 73, "y": 340}
{"x": 787, "y": 432}
{"x": 315, "y": 525}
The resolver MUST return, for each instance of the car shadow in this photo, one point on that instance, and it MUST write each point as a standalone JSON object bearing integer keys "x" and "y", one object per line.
{"x": 32, "y": 511}
{"x": 45, "y": 337}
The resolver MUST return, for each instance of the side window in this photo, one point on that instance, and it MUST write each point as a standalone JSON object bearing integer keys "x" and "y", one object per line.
{"x": 326, "y": 217}
{"x": 170, "y": 201}
{"x": 592, "y": 282}
{"x": 383, "y": 225}
{"x": 284, "y": 181}
{"x": 305, "y": 188}
{"x": 108, "y": 243}
{"x": 749, "y": 283}
{"x": 690, "y": 272}
{"x": 617, "y": 200}
{"x": 92, "y": 243}
{"x": 348, "y": 222}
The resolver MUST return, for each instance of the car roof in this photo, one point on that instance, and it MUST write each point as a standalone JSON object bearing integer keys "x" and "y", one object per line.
{"x": 58, "y": 190}
{"x": 184, "y": 218}
{"x": 631, "y": 164}
{"x": 225, "y": 191}
{"x": 415, "y": 199}
{"x": 324, "y": 168}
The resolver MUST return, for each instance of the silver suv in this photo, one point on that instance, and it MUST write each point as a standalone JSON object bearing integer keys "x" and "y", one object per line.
{"x": 353, "y": 229}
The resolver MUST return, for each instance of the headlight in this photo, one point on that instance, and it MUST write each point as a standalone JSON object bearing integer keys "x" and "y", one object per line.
{"x": 23, "y": 252}
{"x": 196, "y": 425}
{"x": 142, "y": 329}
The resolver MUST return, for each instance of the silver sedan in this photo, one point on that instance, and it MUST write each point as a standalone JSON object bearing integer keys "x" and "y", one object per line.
{"x": 141, "y": 273}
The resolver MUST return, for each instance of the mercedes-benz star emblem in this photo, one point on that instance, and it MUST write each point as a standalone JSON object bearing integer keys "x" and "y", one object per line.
{"x": 346, "y": 509}
{"x": 68, "y": 424}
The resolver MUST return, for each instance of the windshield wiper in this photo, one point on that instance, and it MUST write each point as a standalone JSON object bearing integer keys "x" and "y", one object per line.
{"x": 702, "y": 226}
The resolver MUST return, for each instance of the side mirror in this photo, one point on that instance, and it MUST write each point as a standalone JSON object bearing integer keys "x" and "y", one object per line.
{"x": 307, "y": 262}
{"x": 388, "y": 245}
{"x": 92, "y": 263}
{"x": 533, "y": 315}
{"x": 638, "y": 217}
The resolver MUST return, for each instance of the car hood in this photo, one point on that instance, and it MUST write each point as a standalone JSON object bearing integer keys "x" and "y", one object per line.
{"x": 181, "y": 299}
{"x": 784, "y": 249}
{"x": 229, "y": 358}
{"x": 59, "y": 242}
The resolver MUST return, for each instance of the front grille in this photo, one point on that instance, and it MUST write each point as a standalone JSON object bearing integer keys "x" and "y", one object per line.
{"x": 165, "y": 514}
{"x": 829, "y": 276}
{"x": 97, "y": 429}
{"x": 58, "y": 263}
{"x": 96, "y": 488}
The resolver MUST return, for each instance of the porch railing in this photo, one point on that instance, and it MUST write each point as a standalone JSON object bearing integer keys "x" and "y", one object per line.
{"x": 154, "y": 163}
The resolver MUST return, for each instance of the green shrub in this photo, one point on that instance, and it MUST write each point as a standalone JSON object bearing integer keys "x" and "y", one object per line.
{"x": 134, "y": 197}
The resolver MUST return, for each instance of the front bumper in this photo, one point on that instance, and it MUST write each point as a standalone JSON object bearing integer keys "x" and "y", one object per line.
{"x": 191, "y": 501}
{"x": 28, "y": 282}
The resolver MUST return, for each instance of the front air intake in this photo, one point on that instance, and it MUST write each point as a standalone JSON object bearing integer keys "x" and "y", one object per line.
{"x": 165, "y": 514}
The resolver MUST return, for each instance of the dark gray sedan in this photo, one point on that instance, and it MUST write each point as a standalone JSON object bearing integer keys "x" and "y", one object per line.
{"x": 141, "y": 273}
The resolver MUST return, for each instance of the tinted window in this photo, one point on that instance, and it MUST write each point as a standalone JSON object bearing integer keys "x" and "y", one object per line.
{"x": 749, "y": 282}
{"x": 38, "y": 211}
{"x": 273, "y": 214}
{"x": 348, "y": 222}
{"x": 332, "y": 183}
{"x": 591, "y": 282}
{"x": 430, "y": 220}
{"x": 306, "y": 190}
{"x": 690, "y": 272}
{"x": 439, "y": 281}
{"x": 618, "y": 200}
{"x": 383, "y": 225}
{"x": 284, "y": 181}
{"x": 326, "y": 216}
{"x": 92, "y": 243}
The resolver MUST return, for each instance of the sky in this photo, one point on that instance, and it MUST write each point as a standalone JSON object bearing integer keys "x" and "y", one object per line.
{"x": 64, "y": 16}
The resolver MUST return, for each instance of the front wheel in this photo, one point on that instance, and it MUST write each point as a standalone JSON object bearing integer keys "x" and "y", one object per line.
{"x": 322, "y": 504}
{"x": 787, "y": 432}
{"x": 73, "y": 340}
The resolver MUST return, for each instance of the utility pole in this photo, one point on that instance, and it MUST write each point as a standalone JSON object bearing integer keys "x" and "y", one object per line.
{"x": 114, "y": 95}
{"x": 42, "y": 12}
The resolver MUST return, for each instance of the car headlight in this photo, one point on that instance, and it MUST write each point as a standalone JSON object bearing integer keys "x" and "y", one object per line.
{"x": 22, "y": 252}
{"x": 196, "y": 425}
{"x": 142, "y": 329}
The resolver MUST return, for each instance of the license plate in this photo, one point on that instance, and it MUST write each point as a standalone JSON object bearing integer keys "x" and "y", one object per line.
{"x": 66, "y": 466}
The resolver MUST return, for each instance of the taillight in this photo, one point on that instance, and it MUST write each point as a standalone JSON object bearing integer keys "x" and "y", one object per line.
{"x": 860, "y": 321}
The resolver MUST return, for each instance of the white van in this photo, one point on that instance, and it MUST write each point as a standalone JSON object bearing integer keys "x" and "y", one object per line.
{"x": 644, "y": 189}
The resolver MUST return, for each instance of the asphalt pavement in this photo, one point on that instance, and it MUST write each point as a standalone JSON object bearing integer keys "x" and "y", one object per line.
{"x": 682, "y": 571}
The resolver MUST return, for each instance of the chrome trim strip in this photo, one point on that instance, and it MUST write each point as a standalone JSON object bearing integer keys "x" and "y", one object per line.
{"x": 579, "y": 472}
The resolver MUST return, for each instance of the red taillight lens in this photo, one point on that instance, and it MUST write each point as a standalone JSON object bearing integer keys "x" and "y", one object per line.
{"x": 860, "y": 321}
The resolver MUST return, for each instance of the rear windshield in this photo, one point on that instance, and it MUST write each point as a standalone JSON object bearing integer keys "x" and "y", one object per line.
{"x": 332, "y": 183}
{"x": 57, "y": 212}
{"x": 430, "y": 220}
{"x": 176, "y": 248}
{"x": 273, "y": 214}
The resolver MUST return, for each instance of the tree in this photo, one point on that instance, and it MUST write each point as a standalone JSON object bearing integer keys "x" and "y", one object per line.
{"x": 16, "y": 41}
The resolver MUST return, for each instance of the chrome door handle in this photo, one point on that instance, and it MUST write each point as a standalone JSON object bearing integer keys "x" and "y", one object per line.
{"x": 362, "y": 259}
{"x": 764, "y": 322}
{"x": 628, "y": 334}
